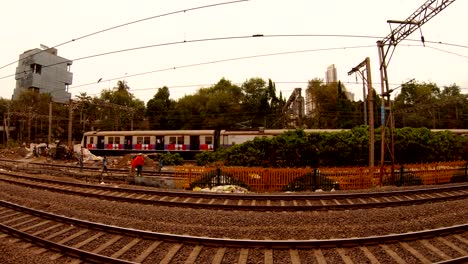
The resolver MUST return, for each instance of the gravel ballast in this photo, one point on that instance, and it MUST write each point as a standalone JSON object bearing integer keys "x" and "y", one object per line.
{"x": 229, "y": 224}
{"x": 244, "y": 224}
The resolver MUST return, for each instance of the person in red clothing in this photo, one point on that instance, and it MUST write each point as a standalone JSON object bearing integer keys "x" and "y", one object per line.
{"x": 138, "y": 162}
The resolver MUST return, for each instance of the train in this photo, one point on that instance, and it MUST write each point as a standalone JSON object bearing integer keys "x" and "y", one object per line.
{"x": 187, "y": 143}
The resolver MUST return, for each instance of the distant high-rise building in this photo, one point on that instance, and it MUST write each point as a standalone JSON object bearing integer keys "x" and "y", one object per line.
{"x": 330, "y": 74}
{"x": 44, "y": 72}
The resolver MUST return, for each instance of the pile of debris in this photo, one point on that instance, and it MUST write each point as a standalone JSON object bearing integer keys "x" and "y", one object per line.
{"x": 222, "y": 189}
{"x": 126, "y": 161}
{"x": 14, "y": 153}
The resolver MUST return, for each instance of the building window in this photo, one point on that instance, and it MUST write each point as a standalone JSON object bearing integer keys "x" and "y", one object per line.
{"x": 36, "y": 68}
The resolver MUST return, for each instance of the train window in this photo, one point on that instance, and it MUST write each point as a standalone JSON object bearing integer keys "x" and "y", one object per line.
{"x": 209, "y": 140}
{"x": 91, "y": 140}
{"x": 172, "y": 140}
{"x": 180, "y": 140}
{"x": 117, "y": 140}
{"x": 146, "y": 140}
{"x": 110, "y": 140}
{"x": 139, "y": 140}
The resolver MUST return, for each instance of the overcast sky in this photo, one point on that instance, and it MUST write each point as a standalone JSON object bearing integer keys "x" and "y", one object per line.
{"x": 29, "y": 23}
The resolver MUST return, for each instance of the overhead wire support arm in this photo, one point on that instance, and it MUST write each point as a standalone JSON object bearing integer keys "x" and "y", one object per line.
{"x": 418, "y": 18}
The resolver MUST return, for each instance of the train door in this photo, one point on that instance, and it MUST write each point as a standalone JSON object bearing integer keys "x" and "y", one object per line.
{"x": 159, "y": 142}
{"x": 100, "y": 142}
{"x": 194, "y": 142}
{"x": 128, "y": 142}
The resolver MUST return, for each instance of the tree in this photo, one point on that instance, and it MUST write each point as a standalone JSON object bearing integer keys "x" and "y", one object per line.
{"x": 453, "y": 110}
{"x": 119, "y": 109}
{"x": 30, "y": 108}
{"x": 330, "y": 106}
{"x": 418, "y": 103}
{"x": 223, "y": 107}
{"x": 86, "y": 111}
{"x": 159, "y": 109}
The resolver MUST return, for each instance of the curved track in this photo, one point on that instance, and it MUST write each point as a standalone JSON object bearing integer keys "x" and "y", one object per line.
{"x": 111, "y": 244}
{"x": 253, "y": 202}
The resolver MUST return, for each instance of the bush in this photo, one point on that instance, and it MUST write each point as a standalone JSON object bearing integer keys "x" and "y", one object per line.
{"x": 172, "y": 159}
{"x": 307, "y": 182}
{"x": 347, "y": 148}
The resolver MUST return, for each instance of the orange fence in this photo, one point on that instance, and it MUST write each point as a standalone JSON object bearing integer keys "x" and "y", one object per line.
{"x": 265, "y": 179}
{"x": 348, "y": 178}
{"x": 434, "y": 173}
{"x": 351, "y": 178}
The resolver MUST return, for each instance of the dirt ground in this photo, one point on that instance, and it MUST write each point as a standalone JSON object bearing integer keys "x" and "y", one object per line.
{"x": 24, "y": 154}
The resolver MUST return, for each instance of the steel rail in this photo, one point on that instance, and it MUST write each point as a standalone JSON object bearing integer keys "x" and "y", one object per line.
{"x": 248, "y": 207}
{"x": 277, "y": 244}
{"x": 249, "y": 196}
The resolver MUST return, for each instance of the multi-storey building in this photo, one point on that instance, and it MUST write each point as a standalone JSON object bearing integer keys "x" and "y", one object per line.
{"x": 41, "y": 70}
{"x": 330, "y": 74}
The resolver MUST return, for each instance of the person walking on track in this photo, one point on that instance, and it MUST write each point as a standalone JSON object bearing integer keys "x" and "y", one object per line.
{"x": 138, "y": 162}
{"x": 104, "y": 168}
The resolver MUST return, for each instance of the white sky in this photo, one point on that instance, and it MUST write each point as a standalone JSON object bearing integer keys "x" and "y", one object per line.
{"x": 27, "y": 24}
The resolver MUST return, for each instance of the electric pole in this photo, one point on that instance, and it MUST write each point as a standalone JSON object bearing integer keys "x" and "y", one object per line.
{"x": 49, "y": 137}
{"x": 70, "y": 125}
{"x": 370, "y": 102}
{"x": 423, "y": 14}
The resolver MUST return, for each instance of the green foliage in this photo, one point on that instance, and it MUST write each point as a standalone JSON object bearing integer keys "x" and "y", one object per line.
{"x": 332, "y": 108}
{"x": 425, "y": 105}
{"x": 118, "y": 108}
{"x": 208, "y": 157}
{"x": 345, "y": 148}
{"x": 172, "y": 159}
{"x": 11, "y": 144}
{"x": 158, "y": 110}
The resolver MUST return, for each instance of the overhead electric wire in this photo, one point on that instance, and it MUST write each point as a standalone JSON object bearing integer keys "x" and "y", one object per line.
{"x": 218, "y": 61}
{"x": 449, "y": 52}
{"x": 204, "y": 40}
{"x": 201, "y": 40}
{"x": 224, "y": 60}
{"x": 126, "y": 24}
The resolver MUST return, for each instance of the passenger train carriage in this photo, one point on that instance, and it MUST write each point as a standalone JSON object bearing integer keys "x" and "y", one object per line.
{"x": 188, "y": 143}
{"x": 150, "y": 141}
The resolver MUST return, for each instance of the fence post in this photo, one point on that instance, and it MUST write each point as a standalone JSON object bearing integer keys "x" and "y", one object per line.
{"x": 218, "y": 175}
{"x": 401, "y": 179}
{"x": 314, "y": 179}
{"x": 466, "y": 170}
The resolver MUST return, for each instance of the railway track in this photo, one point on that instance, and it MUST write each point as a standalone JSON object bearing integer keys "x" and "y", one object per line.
{"x": 72, "y": 170}
{"x": 56, "y": 236}
{"x": 252, "y": 202}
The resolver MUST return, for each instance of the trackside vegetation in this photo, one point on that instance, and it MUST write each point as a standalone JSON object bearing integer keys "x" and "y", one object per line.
{"x": 346, "y": 148}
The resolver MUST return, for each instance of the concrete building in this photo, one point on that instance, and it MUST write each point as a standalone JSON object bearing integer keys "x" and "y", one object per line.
{"x": 41, "y": 70}
{"x": 330, "y": 74}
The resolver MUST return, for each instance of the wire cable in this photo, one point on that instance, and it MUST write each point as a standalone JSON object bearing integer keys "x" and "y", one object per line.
{"x": 449, "y": 52}
{"x": 223, "y": 60}
{"x": 126, "y": 24}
